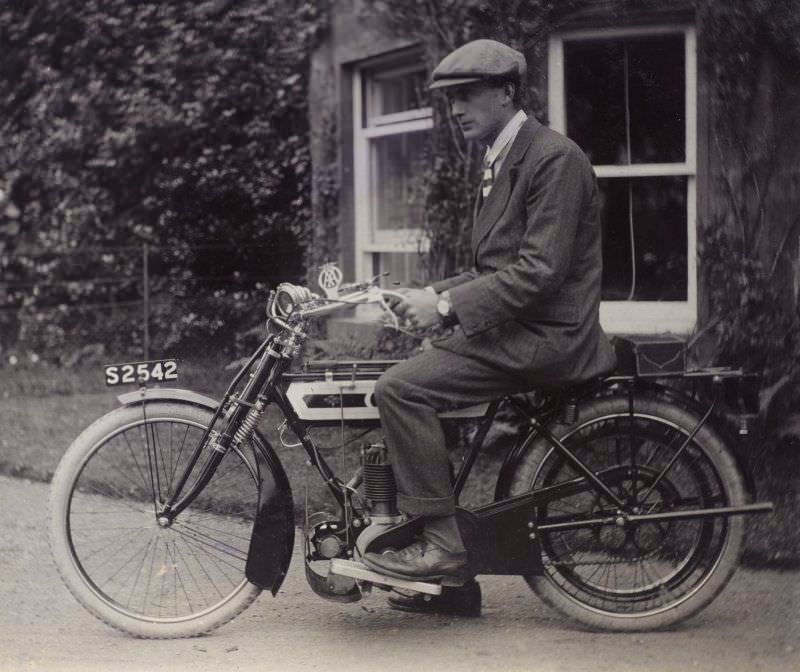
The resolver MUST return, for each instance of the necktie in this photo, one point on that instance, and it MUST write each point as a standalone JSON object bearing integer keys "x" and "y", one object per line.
{"x": 488, "y": 177}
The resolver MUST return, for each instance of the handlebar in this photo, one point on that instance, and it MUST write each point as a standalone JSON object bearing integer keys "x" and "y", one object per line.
{"x": 295, "y": 302}
{"x": 320, "y": 305}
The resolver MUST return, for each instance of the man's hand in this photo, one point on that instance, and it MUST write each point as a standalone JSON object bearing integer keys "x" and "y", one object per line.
{"x": 418, "y": 307}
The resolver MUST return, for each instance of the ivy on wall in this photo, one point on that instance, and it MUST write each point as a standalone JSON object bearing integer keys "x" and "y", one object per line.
{"x": 750, "y": 248}
{"x": 323, "y": 243}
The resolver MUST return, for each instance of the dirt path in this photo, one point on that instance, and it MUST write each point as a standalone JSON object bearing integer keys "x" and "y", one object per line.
{"x": 754, "y": 625}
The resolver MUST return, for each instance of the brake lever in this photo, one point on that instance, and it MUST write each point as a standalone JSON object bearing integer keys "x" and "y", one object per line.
{"x": 387, "y": 309}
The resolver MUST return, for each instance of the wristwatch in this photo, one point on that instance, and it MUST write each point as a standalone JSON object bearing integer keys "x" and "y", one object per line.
{"x": 445, "y": 310}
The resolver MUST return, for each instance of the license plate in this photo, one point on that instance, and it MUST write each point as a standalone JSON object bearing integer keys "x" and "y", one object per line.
{"x": 141, "y": 372}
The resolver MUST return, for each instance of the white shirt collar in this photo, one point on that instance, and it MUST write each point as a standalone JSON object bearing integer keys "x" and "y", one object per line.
{"x": 508, "y": 133}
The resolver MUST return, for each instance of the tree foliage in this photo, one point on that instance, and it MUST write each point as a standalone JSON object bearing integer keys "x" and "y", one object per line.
{"x": 180, "y": 124}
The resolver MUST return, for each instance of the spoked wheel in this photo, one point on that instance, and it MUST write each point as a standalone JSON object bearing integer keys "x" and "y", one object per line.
{"x": 136, "y": 570}
{"x": 627, "y": 575}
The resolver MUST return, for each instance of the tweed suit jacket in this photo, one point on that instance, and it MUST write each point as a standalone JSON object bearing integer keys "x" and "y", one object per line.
{"x": 530, "y": 304}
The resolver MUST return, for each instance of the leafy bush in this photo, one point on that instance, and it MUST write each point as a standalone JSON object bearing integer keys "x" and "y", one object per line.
{"x": 180, "y": 124}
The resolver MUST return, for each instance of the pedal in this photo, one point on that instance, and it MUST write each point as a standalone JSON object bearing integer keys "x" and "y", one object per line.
{"x": 358, "y": 570}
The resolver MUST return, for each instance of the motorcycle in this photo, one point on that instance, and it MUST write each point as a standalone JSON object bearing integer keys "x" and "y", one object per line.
{"x": 622, "y": 503}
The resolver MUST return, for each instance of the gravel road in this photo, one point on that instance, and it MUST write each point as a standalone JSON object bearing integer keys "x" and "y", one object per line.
{"x": 754, "y": 625}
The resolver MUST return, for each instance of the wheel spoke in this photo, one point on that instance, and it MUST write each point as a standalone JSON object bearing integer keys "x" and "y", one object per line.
{"x": 215, "y": 544}
{"x": 139, "y": 573}
{"x": 188, "y": 566}
{"x": 116, "y": 570}
{"x": 210, "y": 528}
{"x": 205, "y": 573}
{"x": 218, "y": 564}
{"x": 145, "y": 481}
{"x": 116, "y": 496}
{"x": 178, "y": 457}
{"x": 630, "y": 569}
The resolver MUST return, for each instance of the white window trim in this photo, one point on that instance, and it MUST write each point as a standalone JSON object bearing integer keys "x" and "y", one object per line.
{"x": 406, "y": 240}
{"x": 642, "y": 316}
{"x": 421, "y": 124}
{"x": 398, "y": 117}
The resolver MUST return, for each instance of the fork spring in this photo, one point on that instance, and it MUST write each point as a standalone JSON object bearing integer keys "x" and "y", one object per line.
{"x": 249, "y": 423}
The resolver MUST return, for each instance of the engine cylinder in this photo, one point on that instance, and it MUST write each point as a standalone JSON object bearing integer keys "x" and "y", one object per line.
{"x": 380, "y": 489}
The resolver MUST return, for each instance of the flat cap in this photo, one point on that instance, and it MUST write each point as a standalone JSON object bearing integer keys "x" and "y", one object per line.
{"x": 477, "y": 60}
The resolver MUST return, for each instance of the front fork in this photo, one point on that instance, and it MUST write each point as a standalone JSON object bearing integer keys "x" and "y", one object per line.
{"x": 242, "y": 419}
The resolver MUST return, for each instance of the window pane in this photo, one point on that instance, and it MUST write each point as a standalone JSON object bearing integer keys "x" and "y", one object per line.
{"x": 402, "y": 267}
{"x": 625, "y": 99}
{"x": 398, "y": 162}
{"x": 389, "y": 93}
{"x": 656, "y": 207}
{"x": 595, "y": 98}
{"x": 657, "y": 91}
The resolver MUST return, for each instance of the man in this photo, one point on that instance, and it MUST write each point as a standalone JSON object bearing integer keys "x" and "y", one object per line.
{"x": 525, "y": 315}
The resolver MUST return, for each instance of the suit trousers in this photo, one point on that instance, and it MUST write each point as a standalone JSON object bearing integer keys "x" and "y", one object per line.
{"x": 410, "y": 395}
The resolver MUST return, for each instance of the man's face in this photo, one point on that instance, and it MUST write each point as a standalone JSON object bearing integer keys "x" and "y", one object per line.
{"x": 480, "y": 110}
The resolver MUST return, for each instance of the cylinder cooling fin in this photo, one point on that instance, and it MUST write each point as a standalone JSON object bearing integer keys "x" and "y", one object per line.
{"x": 380, "y": 489}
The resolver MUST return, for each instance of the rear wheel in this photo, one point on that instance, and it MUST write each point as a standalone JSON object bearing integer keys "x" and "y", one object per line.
{"x": 138, "y": 573}
{"x": 628, "y": 575}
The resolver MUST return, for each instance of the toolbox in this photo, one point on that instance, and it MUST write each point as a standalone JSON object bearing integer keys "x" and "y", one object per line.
{"x": 645, "y": 356}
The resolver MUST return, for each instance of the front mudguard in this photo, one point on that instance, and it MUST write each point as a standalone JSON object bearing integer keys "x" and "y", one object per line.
{"x": 272, "y": 537}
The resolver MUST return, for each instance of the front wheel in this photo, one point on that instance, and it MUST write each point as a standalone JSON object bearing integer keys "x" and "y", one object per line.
{"x": 141, "y": 574}
{"x": 635, "y": 576}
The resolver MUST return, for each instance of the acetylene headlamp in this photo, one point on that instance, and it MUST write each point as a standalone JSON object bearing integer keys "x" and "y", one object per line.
{"x": 288, "y": 297}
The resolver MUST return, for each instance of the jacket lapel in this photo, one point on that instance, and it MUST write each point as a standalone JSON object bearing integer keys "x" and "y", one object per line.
{"x": 495, "y": 203}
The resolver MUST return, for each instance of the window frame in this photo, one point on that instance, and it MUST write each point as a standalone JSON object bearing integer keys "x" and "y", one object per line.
{"x": 642, "y": 317}
{"x": 366, "y": 130}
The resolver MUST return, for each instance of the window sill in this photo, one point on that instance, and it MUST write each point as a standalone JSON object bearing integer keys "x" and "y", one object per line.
{"x": 648, "y": 317}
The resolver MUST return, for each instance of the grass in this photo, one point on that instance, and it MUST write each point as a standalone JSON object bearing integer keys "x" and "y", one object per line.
{"x": 43, "y": 409}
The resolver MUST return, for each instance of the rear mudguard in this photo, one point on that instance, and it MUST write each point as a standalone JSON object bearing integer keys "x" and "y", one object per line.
{"x": 272, "y": 538}
{"x": 717, "y": 422}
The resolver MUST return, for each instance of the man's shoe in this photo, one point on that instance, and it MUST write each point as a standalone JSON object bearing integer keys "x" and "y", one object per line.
{"x": 461, "y": 601}
{"x": 421, "y": 561}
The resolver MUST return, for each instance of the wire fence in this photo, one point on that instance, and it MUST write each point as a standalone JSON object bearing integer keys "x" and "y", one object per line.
{"x": 116, "y": 294}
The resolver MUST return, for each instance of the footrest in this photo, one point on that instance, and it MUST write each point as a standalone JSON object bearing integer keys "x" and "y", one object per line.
{"x": 358, "y": 570}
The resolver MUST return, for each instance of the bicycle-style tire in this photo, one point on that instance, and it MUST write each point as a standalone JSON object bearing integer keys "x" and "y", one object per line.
{"x": 639, "y": 576}
{"x": 148, "y": 580}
